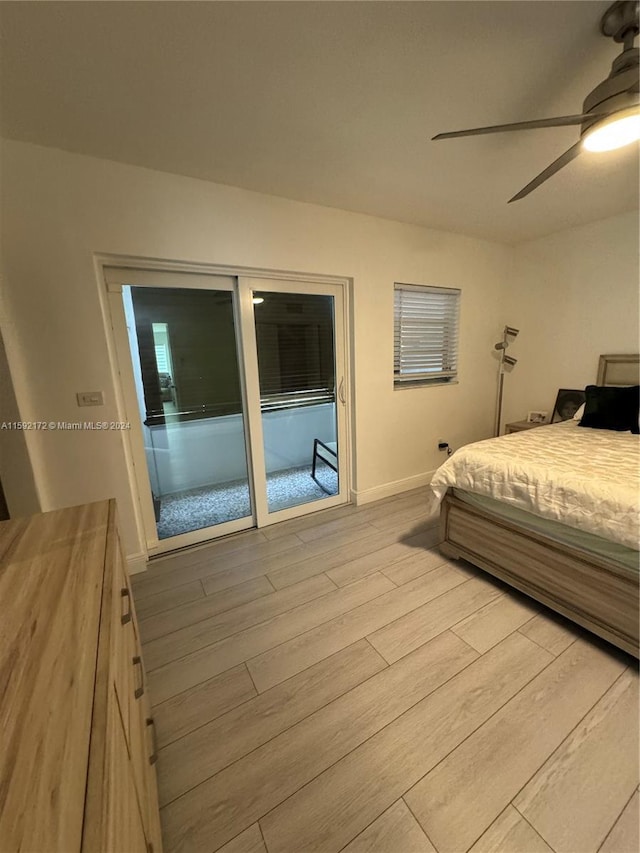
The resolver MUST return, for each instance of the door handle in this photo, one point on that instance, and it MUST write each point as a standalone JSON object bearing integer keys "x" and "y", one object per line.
{"x": 341, "y": 395}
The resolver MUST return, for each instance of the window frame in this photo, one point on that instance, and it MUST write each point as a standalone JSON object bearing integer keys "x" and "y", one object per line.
{"x": 450, "y": 326}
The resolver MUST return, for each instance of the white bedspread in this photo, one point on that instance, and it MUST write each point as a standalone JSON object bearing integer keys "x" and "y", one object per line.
{"x": 584, "y": 478}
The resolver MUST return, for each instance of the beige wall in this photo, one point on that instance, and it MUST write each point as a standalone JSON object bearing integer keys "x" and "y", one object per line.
{"x": 59, "y": 209}
{"x": 573, "y": 295}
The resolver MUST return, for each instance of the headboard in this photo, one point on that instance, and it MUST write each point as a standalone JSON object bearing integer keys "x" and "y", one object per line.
{"x": 619, "y": 370}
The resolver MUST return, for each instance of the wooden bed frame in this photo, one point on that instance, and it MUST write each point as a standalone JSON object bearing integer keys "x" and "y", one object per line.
{"x": 599, "y": 594}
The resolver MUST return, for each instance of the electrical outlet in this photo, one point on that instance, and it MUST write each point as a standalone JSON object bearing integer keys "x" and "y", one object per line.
{"x": 90, "y": 398}
{"x": 442, "y": 445}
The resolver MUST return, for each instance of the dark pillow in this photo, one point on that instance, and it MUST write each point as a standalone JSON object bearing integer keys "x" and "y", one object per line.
{"x": 611, "y": 408}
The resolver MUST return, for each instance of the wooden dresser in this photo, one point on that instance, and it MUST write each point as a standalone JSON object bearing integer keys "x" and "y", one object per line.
{"x": 76, "y": 735}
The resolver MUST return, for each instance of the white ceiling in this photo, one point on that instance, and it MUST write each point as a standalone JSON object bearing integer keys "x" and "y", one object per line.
{"x": 328, "y": 102}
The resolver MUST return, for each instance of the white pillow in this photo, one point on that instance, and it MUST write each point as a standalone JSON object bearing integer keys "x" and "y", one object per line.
{"x": 578, "y": 415}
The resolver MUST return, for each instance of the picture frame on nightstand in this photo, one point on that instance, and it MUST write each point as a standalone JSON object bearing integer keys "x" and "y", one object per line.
{"x": 538, "y": 417}
{"x": 567, "y": 404}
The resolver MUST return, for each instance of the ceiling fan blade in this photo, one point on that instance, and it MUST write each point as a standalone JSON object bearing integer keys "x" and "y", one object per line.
{"x": 559, "y": 121}
{"x": 558, "y": 164}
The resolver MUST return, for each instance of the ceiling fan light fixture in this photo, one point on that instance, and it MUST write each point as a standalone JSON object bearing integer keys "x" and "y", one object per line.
{"x": 620, "y": 129}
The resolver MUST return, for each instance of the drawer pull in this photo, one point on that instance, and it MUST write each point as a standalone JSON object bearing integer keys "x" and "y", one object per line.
{"x": 154, "y": 753}
{"x": 137, "y": 661}
{"x": 126, "y": 617}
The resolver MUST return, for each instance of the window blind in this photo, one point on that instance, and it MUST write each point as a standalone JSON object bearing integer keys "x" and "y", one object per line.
{"x": 294, "y": 334}
{"x": 161, "y": 358}
{"x": 425, "y": 342}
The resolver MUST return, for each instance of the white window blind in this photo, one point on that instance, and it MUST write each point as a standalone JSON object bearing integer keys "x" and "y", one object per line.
{"x": 294, "y": 334}
{"x": 161, "y": 358}
{"x": 425, "y": 341}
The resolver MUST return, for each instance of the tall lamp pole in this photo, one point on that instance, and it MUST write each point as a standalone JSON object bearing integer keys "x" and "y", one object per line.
{"x": 508, "y": 333}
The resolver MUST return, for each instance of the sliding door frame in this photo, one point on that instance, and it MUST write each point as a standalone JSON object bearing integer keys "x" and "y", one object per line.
{"x": 246, "y": 287}
{"x": 115, "y": 280}
{"x": 173, "y": 273}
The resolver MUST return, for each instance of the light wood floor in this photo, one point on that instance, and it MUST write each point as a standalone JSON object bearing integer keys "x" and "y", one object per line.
{"x": 333, "y": 683}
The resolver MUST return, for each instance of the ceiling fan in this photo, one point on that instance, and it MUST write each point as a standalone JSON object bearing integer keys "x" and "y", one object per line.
{"x": 610, "y": 115}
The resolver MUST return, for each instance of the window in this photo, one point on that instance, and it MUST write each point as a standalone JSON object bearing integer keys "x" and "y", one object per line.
{"x": 295, "y": 349}
{"x": 194, "y": 368}
{"x": 425, "y": 340}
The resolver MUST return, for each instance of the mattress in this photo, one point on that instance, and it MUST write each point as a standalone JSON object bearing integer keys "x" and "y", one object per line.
{"x": 571, "y": 536}
{"x": 587, "y": 479}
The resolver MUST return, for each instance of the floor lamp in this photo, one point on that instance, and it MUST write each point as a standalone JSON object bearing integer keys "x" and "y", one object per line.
{"x": 509, "y": 333}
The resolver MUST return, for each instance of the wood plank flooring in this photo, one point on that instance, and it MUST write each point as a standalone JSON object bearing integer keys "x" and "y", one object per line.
{"x": 333, "y": 683}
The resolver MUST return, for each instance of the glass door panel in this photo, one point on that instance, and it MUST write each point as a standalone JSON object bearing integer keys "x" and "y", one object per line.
{"x": 295, "y": 343}
{"x": 189, "y": 392}
{"x": 235, "y": 383}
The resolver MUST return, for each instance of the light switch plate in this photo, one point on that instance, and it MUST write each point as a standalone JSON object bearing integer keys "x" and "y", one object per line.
{"x": 90, "y": 398}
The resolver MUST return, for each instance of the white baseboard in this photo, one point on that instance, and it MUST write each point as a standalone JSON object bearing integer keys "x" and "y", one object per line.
{"x": 387, "y": 490}
{"x": 137, "y": 563}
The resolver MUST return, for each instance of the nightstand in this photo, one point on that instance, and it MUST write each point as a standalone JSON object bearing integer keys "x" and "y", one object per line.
{"x": 519, "y": 426}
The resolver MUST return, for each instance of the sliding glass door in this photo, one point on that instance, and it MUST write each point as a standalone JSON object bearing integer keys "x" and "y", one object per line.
{"x": 238, "y": 388}
{"x": 296, "y": 367}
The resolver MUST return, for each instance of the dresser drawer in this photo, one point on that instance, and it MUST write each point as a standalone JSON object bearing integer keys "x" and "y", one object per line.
{"x": 76, "y": 751}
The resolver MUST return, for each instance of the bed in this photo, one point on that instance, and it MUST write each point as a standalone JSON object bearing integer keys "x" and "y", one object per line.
{"x": 554, "y": 512}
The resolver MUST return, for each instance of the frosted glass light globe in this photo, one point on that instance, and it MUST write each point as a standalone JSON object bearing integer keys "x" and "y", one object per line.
{"x": 615, "y": 131}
